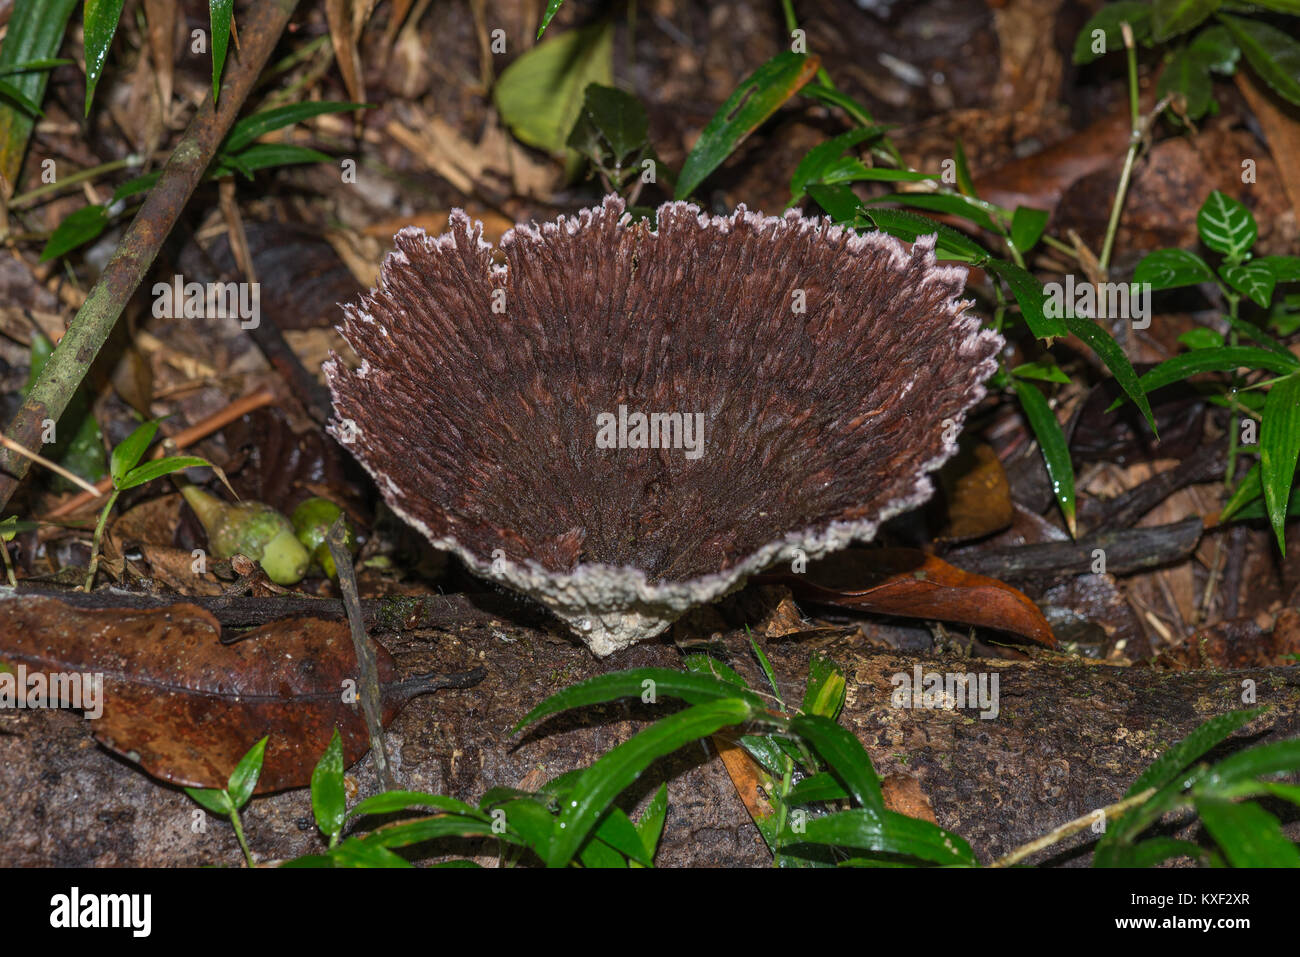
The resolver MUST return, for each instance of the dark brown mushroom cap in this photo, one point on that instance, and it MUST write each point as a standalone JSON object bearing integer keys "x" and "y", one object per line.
{"x": 476, "y": 404}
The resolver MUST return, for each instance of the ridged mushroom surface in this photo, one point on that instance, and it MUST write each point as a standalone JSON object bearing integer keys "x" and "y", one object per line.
{"x": 798, "y": 382}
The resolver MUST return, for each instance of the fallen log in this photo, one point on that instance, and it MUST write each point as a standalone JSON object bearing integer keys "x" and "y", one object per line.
{"x": 1068, "y": 737}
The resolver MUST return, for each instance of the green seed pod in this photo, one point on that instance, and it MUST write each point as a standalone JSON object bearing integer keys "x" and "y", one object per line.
{"x": 312, "y": 520}
{"x": 252, "y": 529}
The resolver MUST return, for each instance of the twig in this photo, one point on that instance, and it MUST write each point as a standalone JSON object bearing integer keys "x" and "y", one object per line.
{"x": 54, "y": 467}
{"x": 140, "y": 245}
{"x": 1073, "y": 827}
{"x": 371, "y": 700}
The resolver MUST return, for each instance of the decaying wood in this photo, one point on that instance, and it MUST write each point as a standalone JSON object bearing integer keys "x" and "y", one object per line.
{"x": 1069, "y": 737}
{"x": 1130, "y": 550}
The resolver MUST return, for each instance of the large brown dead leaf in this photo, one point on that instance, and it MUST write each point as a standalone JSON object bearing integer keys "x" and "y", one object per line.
{"x": 911, "y": 584}
{"x": 186, "y": 707}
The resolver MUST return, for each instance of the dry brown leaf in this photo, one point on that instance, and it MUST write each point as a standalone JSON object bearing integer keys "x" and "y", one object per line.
{"x": 911, "y": 584}
{"x": 186, "y": 707}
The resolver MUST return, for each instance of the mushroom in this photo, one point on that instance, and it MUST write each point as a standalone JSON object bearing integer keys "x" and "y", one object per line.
{"x": 624, "y": 421}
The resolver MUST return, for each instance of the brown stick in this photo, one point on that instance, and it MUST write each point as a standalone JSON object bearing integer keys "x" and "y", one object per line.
{"x": 139, "y": 247}
{"x": 182, "y": 439}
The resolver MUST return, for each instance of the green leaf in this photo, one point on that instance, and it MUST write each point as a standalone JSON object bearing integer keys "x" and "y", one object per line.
{"x": 244, "y": 778}
{"x": 328, "y": 800}
{"x": 702, "y": 664}
{"x": 262, "y": 156}
{"x": 598, "y": 854}
{"x": 611, "y": 123}
{"x": 142, "y": 474}
{"x": 617, "y": 830}
{"x": 219, "y": 14}
{"x": 133, "y": 187}
{"x": 826, "y": 688}
{"x": 214, "y": 799}
{"x": 1155, "y": 850}
{"x": 1283, "y": 268}
{"x": 1226, "y": 359}
{"x": 552, "y": 8}
{"x": 884, "y": 832}
{"x": 1171, "y": 268}
{"x": 1226, "y": 226}
{"x": 540, "y": 94}
{"x": 819, "y": 787}
{"x": 965, "y": 184}
{"x": 757, "y": 98}
{"x": 1027, "y": 225}
{"x": 421, "y": 829}
{"x": 1270, "y": 52}
{"x": 1108, "y": 19}
{"x": 1108, "y": 350}
{"x": 78, "y": 227}
{"x": 250, "y": 128}
{"x": 1111, "y": 848}
{"x": 99, "y": 18}
{"x": 1273, "y": 757}
{"x": 1188, "y": 74}
{"x": 844, "y": 754}
{"x": 950, "y": 244}
{"x": 130, "y": 450}
{"x": 840, "y": 202}
{"x": 15, "y": 95}
{"x": 1031, "y": 297}
{"x": 1279, "y": 448}
{"x": 355, "y": 852}
{"x": 48, "y": 63}
{"x": 597, "y": 786}
{"x": 941, "y": 203}
{"x": 1046, "y": 371}
{"x": 855, "y": 110}
{"x": 1247, "y": 490}
{"x": 34, "y": 35}
{"x": 1201, "y": 338}
{"x": 651, "y": 825}
{"x": 1056, "y": 452}
{"x": 812, "y": 168}
{"x": 1253, "y": 279}
{"x": 392, "y": 801}
{"x": 663, "y": 682}
{"x": 1217, "y": 48}
{"x": 1249, "y": 835}
{"x": 1252, "y": 331}
{"x": 1169, "y": 18}
{"x": 850, "y": 170}
{"x": 1167, "y": 768}
{"x": 529, "y": 823}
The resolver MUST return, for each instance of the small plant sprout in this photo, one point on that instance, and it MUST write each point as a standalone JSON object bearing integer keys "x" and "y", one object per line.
{"x": 127, "y": 473}
{"x": 236, "y": 793}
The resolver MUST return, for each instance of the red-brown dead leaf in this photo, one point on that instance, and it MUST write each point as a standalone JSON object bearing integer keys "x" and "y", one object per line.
{"x": 186, "y": 707}
{"x": 911, "y": 584}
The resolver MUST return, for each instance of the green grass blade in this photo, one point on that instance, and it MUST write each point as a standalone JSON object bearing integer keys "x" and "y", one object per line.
{"x": 1051, "y": 439}
{"x": 100, "y": 19}
{"x": 759, "y": 96}
{"x": 1279, "y": 449}
{"x": 664, "y": 682}
{"x": 598, "y": 786}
